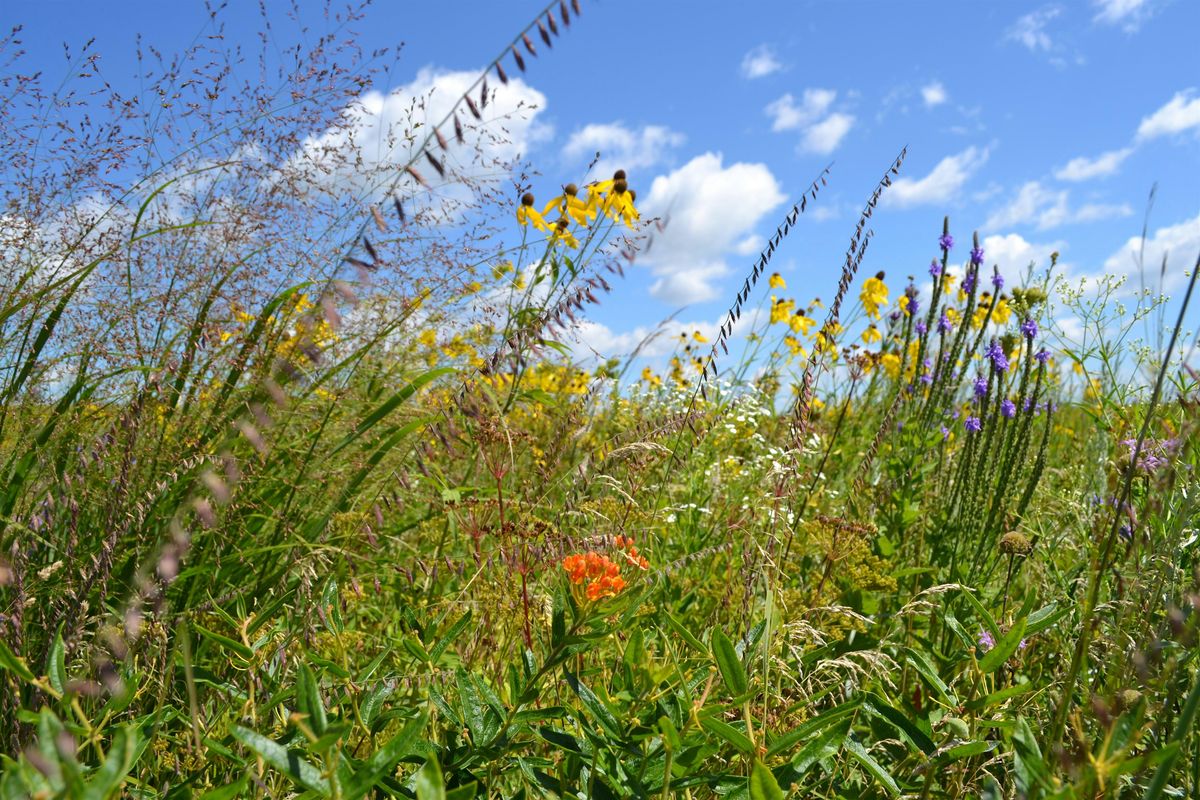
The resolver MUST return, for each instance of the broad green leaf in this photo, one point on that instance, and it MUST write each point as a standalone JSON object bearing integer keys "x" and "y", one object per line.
{"x": 449, "y": 636}
{"x": 308, "y": 699}
{"x": 598, "y": 708}
{"x": 1006, "y": 645}
{"x": 763, "y": 785}
{"x": 729, "y": 733}
{"x": 56, "y": 668}
{"x": 289, "y": 762}
{"x": 921, "y": 664}
{"x": 429, "y": 782}
{"x": 383, "y": 762}
{"x": 15, "y": 664}
{"x": 106, "y": 781}
{"x": 902, "y": 723}
{"x": 229, "y": 644}
{"x": 872, "y": 767}
{"x": 732, "y": 671}
{"x": 681, "y": 631}
{"x": 823, "y": 747}
{"x": 810, "y": 727}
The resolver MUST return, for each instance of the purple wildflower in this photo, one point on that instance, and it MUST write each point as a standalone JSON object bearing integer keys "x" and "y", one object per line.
{"x": 997, "y": 280}
{"x": 976, "y": 255}
{"x": 945, "y": 433}
{"x": 946, "y": 241}
{"x": 1008, "y": 408}
{"x": 969, "y": 281}
{"x": 914, "y": 305}
{"x": 1029, "y": 328}
{"x": 1028, "y": 404}
{"x": 935, "y": 269}
{"x": 973, "y": 424}
{"x": 999, "y": 358}
{"x": 1042, "y": 356}
{"x": 943, "y": 324}
{"x": 926, "y": 379}
{"x": 986, "y": 641}
{"x": 981, "y": 387}
{"x": 921, "y": 327}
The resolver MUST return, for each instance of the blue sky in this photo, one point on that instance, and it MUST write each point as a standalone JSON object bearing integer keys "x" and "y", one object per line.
{"x": 1041, "y": 125}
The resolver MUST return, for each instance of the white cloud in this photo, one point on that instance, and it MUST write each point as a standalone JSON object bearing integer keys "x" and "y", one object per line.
{"x": 1035, "y": 204}
{"x": 941, "y": 184}
{"x": 1129, "y": 14}
{"x": 786, "y": 115}
{"x": 1030, "y": 30}
{"x": 1178, "y": 243}
{"x": 823, "y": 137}
{"x": 1082, "y": 169}
{"x": 713, "y": 209}
{"x": 620, "y": 147}
{"x": 597, "y": 339}
{"x": 760, "y": 62}
{"x": 377, "y": 133}
{"x": 1181, "y": 113}
{"x": 1012, "y": 253}
{"x": 934, "y": 94}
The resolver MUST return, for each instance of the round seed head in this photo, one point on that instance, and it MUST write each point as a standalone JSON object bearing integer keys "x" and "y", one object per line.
{"x": 619, "y": 175}
{"x": 620, "y": 187}
{"x": 571, "y": 189}
{"x": 1015, "y": 543}
{"x": 527, "y": 199}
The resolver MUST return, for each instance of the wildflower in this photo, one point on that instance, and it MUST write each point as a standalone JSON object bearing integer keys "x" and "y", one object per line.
{"x": 1002, "y": 311}
{"x": 921, "y": 327}
{"x": 871, "y": 334}
{"x": 776, "y": 281}
{"x": 1042, "y": 356}
{"x": 873, "y": 295}
{"x": 944, "y": 324}
{"x": 935, "y": 269}
{"x": 999, "y": 358}
{"x": 977, "y": 255}
{"x": 891, "y": 364}
{"x": 1030, "y": 329}
{"x": 568, "y": 204}
{"x": 650, "y": 378}
{"x": 973, "y": 424}
{"x": 986, "y": 641}
{"x": 981, "y": 387}
{"x": 945, "y": 241}
{"x": 997, "y": 278}
{"x": 562, "y": 233}
{"x": 945, "y": 433}
{"x": 700, "y": 337}
{"x": 1015, "y": 543}
{"x": 526, "y": 214}
{"x": 968, "y": 284}
{"x": 781, "y": 309}
{"x": 1008, "y": 408}
{"x": 801, "y": 323}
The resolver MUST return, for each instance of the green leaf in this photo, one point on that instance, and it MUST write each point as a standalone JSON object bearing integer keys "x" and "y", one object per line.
{"x": 475, "y": 711}
{"x": 729, "y": 733}
{"x": 811, "y": 727}
{"x": 56, "y": 669}
{"x": 872, "y": 767}
{"x": 429, "y": 782}
{"x": 390, "y": 405}
{"x": 449, "y": 636}
{"x": 384, "y": 760}
{"x": 922, "y": 665}
{"x": 985, "y": 618}
{"x": 966, "y": 750}
{"x": 732, "y": 671}
{"x": 290, "y": 763}
{"x": 308, "y": 699}
{"x": 684, "y": 633}
{"x": 763, "y": 785}
{"x": 15, "y": 664}
{"x": 1007, "y": 645}
{"x": 900, "y": 722}
{"x": 119, "y": 759}
{"x": 823, "y": 747}
{"x": 996, "y": 698}
{"x": 236, "y": 789}
{"x": 1044, "y": 618}
{"x": 598, "y": 708}
{"x": 229, "y": 644}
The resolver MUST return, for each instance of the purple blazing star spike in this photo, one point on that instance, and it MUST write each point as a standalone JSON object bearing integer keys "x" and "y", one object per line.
{"x": 1042, "y": 356}
{"x": 914, "y": 305}
{"x": 986, "y": 641}
{"x": 1008, "y": 408}
{"x": 977, "y": 255}
{"x": 969, "y": 282}
{"x": 996, "y": 353}
{"x": 1030, "y": 329}
{"x": 921, "y": 327}
{"x": 973, "y": 424}
{"x": 935, "y": 269}
{"x": 943, "y": 324}
{"x": 945, "y": 241}
{"x": 997, "y": 280}
{"x": 981, "y": 387}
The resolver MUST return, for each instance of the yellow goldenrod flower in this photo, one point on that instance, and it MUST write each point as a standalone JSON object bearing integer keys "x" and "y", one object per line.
{"x": 776, "y": 281}
{"x": 873, "y": 295}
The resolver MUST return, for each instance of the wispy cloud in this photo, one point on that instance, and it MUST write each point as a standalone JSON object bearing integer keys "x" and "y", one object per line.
{"x": 942, "y": 183}
{"x": 1178, "y": 244}
{"x": 821, "y": 131}
{"x": 824, "y": 137}
{"x": 1030, "y": 30}
{"x": 934, "y": 94}
{"x": 1082, "y": 168}
{"x": 621, "y": 147}
{"x": 1181, "y": 113}
{"x": 1045, "y": 208}
{"x": 1129, "y": 14}
{"x": 760, "y": 62}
